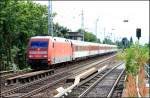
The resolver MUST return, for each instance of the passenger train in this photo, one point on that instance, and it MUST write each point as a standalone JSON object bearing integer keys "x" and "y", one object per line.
{"x": 45, "y": 51}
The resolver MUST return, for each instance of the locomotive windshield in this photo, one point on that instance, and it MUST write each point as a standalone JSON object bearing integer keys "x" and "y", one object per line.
{"x": 39, "y": 44}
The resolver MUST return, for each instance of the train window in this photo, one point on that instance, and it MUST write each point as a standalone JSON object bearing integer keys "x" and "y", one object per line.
{"x": 39, "y": 44}
{"x": 76, "y": 48}
{"x": 53, "y": 44}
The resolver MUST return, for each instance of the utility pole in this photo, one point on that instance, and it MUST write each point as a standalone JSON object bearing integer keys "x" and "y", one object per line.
{"x": 114, "y": 38}
{"x": 82, "y": 24}
{"x": 50, "y": 18}
{"x": 96, "y": 28}
{"x": 104, "y": 33}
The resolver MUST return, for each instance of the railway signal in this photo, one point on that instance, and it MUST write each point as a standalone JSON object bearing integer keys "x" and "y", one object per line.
{"x": 138, "y": 33}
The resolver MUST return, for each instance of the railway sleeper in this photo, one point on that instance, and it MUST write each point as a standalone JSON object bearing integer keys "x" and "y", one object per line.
{"x": 84, "y": 86}
{"x": 92, "y": 81}
{"x": 11, "y": 81}
{"x": 75, "y": 92}
{"x": 35, "y": 77}
{"x": 119, "y": 87}
{"x": 13, "y": 95}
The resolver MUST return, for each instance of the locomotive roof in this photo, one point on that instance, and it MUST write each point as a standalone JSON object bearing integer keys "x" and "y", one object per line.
{"x": 41, "y": 37}
{"x": 51, "y": 38}
{"x": 77, "y": 42}
{"x": 60, "y": 39}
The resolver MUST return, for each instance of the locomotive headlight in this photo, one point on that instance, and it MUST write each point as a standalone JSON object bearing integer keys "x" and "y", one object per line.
{"x": 33, "y": 52}
{"x": 45, "y": 56}
{"x": 30, "y": 56}
{"x": 38, "y": 52}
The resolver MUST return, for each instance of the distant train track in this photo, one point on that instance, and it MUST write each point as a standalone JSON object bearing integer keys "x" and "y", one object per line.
{"x": 100, "y": 84}
{"x": 34, "y": 87}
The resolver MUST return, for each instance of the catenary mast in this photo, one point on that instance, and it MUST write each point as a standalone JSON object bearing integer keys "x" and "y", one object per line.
{"x": 50, "y": 18}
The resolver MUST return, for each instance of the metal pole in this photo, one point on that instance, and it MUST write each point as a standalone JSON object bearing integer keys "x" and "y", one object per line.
{"x": 114, "y": 38}
{"x": 82, "y": 24}
{"x": 50, "y": 18}
{"x": 104, "y": 33}
{"x": 96, "y": 29}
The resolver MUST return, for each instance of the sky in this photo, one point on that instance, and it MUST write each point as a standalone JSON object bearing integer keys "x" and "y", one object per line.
{"x": 110, "y": 16}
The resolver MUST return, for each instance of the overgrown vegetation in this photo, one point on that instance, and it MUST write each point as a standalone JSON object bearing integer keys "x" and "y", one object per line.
{"x": 135, "y": 58}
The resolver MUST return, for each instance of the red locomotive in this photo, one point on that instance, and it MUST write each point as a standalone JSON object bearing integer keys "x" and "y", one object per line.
{"x": 44, "y": 51}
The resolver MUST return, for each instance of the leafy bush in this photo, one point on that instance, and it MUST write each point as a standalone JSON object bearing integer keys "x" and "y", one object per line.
{"x": 134, "y": 57}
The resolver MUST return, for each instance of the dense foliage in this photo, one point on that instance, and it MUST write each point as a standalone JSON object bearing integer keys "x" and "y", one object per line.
{"x": 107, "y": 41}
{"x": 134, "y": 57}
{"x": 19, "y": 21}
{"x": 90, "y": 37}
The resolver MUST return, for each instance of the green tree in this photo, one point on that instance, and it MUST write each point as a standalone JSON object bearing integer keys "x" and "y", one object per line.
{"x": 107, "y": 41}
{"x": 119, "y": 44}
{"x": 98, "y": 40}
{"x": 90, "y": 37}
{"x": 131, "y": 41}
{"x": 19, "y": 21}
{"x": 125, "y": 42}
{"x": 60, "y": 31}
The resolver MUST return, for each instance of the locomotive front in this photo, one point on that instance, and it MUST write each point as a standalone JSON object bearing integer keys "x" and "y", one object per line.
{"x": 38, "y": 52}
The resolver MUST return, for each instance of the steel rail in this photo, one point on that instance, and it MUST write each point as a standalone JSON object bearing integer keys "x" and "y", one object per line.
{"x": 8, "y": 92}
{"x": 97, "y": 81}
{"x": 77, "y": 83}
{"x": 40, "y": 80}
{"x": 116, "y": 82}
{"x": 57, "y": 81}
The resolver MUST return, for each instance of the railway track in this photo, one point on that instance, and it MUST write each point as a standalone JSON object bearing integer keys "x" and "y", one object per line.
{"x": 10, "y": 77}
{"x": 8, "y": 74}
{"x": 19, "y": 80}
{"x": 50, "y": 91}
{"x": 16, "y": 81}
{"x": 103, "y": 84}
{"x": 5, "y": 72}
{"x": 32, "y": 88}
{"x": 4, "y": 82}
{"x": 118, "y": 88}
